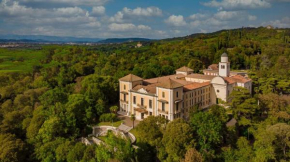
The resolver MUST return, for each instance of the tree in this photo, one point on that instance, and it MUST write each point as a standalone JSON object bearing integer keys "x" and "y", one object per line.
{"x": 12, "y": 149}
{"x": 78, "y": 111}
{"x": 63, "y": 150}
{"x": 244, "y": 151}
{"x": 133, "y": 118}
{"x": 177, "y": 137}
{"x": 192, "y": 155}
{"x": 282, "y": 141}
{"x": 114, "y": 109}
{"x": 89, "y": 154}
{"x": 263, "y": 146}
{"x": 150, "y": 130}
{"x": 195, "y": 65}
{"x": 219, "y": 112}
{"x": 209, "y": 130}
{"x": 115, "y": 148}
{"x": 76, "y": 153}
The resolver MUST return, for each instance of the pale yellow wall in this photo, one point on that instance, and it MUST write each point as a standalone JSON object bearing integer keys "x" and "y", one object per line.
{"x": 201, "y": 95}
{"x": 166, "y": 98}
{"x": 180, "y": 97}
{"x": 146, "y": 100}
{"x": 123, "y": 89}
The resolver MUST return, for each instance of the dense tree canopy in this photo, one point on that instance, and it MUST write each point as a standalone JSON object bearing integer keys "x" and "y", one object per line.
{"x": 44, "y": 109}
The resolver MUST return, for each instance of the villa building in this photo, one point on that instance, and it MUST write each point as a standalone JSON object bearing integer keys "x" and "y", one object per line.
{"x": 172, "y": 96}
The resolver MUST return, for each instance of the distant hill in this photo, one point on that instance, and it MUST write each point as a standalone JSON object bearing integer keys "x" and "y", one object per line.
{"x": 123, "y": 40}
{"x": 43, "y": 38}
{"x": 57, "y": 39}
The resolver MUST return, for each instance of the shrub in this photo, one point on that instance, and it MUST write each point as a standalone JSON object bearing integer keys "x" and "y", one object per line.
{"x": 108, "y": 117}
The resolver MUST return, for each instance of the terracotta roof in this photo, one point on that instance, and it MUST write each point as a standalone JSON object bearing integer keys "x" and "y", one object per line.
{"x": 213, "y": 67}
{"x": 212, "y": 71}
{"x": 195, "y": 85}
{"x": 179, "y": 78}
{"x": 201, "y": 76}
{"x": 229, "y": 80}
{"x": 240, "y": 79}
{"x": 169, "y": 84}
{"x": 184, "y": 69}
{"x": 237, "y": 78}
{"x": 130, "y": 78}
{"x": 151, "y": 88}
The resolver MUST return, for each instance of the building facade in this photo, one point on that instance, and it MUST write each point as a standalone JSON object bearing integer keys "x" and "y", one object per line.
{"x": 173, "y": 96}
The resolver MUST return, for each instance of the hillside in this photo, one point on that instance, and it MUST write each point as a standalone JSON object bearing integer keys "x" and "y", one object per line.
{"x": 51, "y": 96}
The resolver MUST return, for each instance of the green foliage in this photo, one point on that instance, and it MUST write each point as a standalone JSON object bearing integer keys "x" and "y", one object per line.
{"x": 177, "y": 137}
{"x": 12, "y": 149}
{"x": 209, "y": 133}
{"x": 49, "y": 95}
{"x": 109, "y": 117}
{"x": 150, "y": 130}
{"x": 193, "y": 155}
{"x": 115, "y": 148}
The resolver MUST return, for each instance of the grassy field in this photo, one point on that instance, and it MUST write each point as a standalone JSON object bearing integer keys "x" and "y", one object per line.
{"x": 19, "y": 60}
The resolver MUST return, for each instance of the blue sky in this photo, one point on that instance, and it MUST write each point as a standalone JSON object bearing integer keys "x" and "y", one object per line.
{"x": 137, "y": 18}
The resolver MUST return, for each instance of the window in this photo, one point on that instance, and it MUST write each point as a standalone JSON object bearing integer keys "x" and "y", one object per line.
{"x": 124, "y": 87}
{"x": 150, "y": 113}
{"x": 177, "y": 107}
{"x": 176, "y": 94}
{"x": 150, "y": 103}
{"x": 217, "y": 91}
{"x": 163, "y": 106}
{"x": 134, "y": 99}
{"x": 223, "y": 67}
{"x": 124, "y": 97}
{"x": 142, "y": 101}
{"x": 163, "y": 94}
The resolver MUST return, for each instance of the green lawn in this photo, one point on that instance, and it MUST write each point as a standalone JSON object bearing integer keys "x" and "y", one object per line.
{"x": 103, "y": 138}
{"x": 135, "y": 133}
{"x": 19, "y": 60}
{"x": 114, "y": 124}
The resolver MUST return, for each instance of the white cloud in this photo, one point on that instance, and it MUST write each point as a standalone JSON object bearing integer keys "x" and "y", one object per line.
{"x": 98, "y": 10}
{"x": 238, "y": 4}
{"x": 69, "y": 11}
{"x": 147, "y": 12}
{"x": 127, "y": 27}
{"x": 69, "y": 2}
{"x": 195, "y": 23}
{"x": 198, "y": 16}
{"x": 144, "y": 27}
{"x": 176, "y": 20}
{"x": 138, "y": 12}
{"x": 118, "y": 17}
{"x": 252, "y": 18}
{"x": 283, "y": 23}
{"x": 213, "y": 21}
{"x": 227, "y": 15}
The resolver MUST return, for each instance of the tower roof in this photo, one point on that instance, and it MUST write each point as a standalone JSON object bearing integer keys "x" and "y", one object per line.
{"x": 184, "y": 69}
{"x": 224, "y": 55}
{"x": 130, "y": 78}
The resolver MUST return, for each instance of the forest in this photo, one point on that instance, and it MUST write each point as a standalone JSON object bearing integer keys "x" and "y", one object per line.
{"x": 62, "y": 92}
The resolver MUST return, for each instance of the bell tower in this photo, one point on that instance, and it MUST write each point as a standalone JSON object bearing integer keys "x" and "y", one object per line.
{"x": 224, "y": 66}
